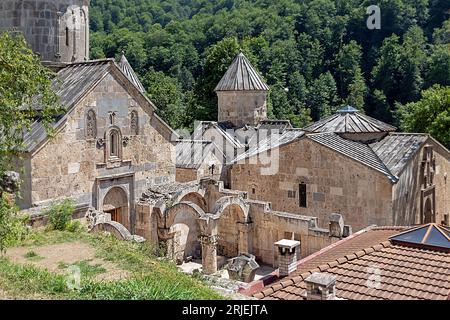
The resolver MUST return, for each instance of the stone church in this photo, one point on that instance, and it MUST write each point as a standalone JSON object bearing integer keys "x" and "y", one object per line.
{"x": 348, "y": 163}
{"x": 211, "y": 196}
{"x": 110, "y": 144}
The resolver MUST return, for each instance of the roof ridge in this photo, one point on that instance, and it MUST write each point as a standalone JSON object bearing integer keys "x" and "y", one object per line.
{"x": 382, "y": 162}
{"x": 104, "y": 60}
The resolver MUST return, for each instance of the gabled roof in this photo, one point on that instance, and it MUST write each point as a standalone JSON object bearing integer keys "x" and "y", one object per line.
{"x": 353, "y": 149}
{"x": 406, "y": 273}
{"x": 126, "y": 68}
{"x": 350, "y": 120}
{"x": 269, "y": 143}
{"x": 270, "y": 124}
{"x": 397, "y": 149}
{"x": 71, "y": 84}
{"x": 191, "y": 154}
{"x": 430, "y": 236}
{"x": 241, "y": 76}
{"x": 389, "y": 156}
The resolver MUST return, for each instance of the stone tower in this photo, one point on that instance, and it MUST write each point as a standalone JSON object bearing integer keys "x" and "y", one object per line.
{"x": 57, "y": 30}
{"x": 242, "y": 94}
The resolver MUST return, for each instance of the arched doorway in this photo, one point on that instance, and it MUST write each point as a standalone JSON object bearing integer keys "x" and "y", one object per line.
{"x": 185, "y": 241}
{"x": 182, "y": 221}
{"x": 116, "y": 204}
{"x": 428, "y": 212}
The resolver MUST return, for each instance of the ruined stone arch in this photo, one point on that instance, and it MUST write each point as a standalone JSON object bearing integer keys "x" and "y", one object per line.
{"x": 183, "y": 224}
{"x": 237, "y": 203}
{"x": 230, "y": 212}
{"x": 194, "y": 195}
{"x": 196, "y": 198}
{"x": 193, "y": 209}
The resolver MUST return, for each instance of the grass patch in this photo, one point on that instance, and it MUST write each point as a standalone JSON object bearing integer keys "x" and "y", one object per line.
{"x": 33, "y": 256}
{"x": 151, "y": 278}
{"x": 86, "y": 270}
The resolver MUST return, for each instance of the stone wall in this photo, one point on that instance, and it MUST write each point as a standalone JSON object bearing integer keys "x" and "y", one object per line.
{"x": 242, "y": 108}
{"x": 57, "y": 30}
{"x": 442, "y": 181}
{"x": 70, "y": 165}
{"x": 407, "y": 191}
{"x": 186, "y": 174}
{"x": 237, "y": 233}
{"x": 334, "y": 183}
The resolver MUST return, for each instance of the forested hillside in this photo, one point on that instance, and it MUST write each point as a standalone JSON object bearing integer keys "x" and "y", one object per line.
{"x": 315, "y": 54}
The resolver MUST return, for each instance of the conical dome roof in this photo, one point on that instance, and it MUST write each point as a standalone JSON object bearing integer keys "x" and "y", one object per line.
{"x": 241, "y": 76}
{"x": 350, "y": 120}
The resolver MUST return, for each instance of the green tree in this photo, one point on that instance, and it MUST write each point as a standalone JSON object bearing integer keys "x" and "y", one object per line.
{"x": 431, "y": 114}
{"x": 165, "y": 92}
{"x": 25, "y": 95}
{"x": 323, "y": 98}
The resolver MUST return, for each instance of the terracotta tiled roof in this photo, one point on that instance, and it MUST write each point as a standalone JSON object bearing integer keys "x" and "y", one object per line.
{"x": 405, "y": 272}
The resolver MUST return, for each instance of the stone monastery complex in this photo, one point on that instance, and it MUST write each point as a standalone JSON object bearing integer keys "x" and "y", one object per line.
{"x": 245, "y": 184}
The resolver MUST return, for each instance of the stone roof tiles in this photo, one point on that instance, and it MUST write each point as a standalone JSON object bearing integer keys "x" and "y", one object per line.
{"x": 241, "y": 76}
{"x": 126, "y": 68}
{"x": 70, "y": 85}
{"x": 350, "y": 120}
{"x": 353, "y": 149}
{"x": 396, "y": 149}
{"x": 190, "y": 154}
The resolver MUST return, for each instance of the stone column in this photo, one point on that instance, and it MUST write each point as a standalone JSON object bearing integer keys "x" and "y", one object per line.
{"x": 209, "y": 253}
{"x": 165, "y": 241}
{"x": 245, "y": 243}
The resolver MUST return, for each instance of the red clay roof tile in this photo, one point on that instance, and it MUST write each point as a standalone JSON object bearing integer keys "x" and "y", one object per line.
{"x": 404, "y": 272}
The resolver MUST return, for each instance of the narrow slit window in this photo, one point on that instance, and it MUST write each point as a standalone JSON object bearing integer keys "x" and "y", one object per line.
{"x": 302, "y": 195}
{"x": 67, "y": 36}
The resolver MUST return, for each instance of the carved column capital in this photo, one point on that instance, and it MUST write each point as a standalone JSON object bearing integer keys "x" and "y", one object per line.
{"x": 211, "y": 240}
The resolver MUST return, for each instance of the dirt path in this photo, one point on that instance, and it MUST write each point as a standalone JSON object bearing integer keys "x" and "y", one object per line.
{"x": 51, "y": 257}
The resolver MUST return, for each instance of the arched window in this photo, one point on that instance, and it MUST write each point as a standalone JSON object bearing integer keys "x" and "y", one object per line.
{"x": 114, "y": 148}
{"x": 91, "y": 125}
{"x": 134, "y": 123}
{"x": 113, "y": 144}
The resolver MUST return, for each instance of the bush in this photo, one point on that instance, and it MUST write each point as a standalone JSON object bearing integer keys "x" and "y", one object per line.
{"x": 12, "y": 227}
{"x": 60, "y": 215}
{"x": 74, "y": 226}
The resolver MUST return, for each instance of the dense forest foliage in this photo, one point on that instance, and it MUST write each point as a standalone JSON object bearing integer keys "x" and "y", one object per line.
{"x": 316, "y": 55}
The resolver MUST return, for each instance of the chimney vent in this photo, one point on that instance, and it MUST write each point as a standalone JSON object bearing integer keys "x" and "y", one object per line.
{"x": 287, "y": 256}
{"x": 336, "y": 225}
{"x": 320, "y": 286}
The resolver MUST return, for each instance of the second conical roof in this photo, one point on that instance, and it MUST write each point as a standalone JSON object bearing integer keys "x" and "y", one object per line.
{"x": 242, "y": 76}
